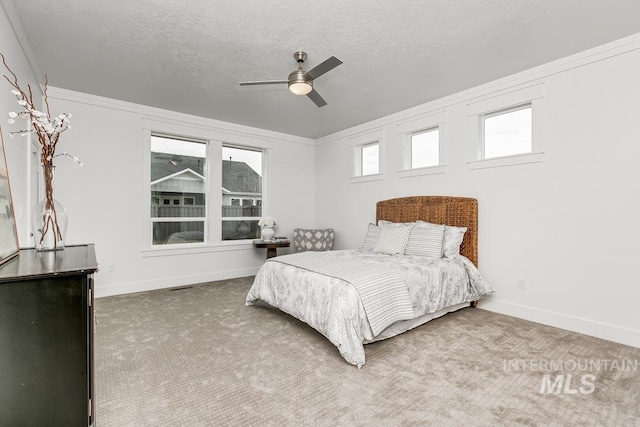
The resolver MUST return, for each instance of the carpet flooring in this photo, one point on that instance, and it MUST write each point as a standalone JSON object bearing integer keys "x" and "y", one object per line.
{"x": 200, "y": 357}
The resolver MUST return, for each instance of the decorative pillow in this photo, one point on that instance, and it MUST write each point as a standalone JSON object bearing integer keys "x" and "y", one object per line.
{"x": 370, "y": 240}
{"x": 385, "y": 222}
{"x": 426, "y": 239}
{"x": 393, "y": 239}
{"x": 313, "y": 239}
{"x": 452, "y": 240}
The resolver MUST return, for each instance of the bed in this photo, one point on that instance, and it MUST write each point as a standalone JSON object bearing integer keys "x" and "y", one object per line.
{"x": 354, "y": 297}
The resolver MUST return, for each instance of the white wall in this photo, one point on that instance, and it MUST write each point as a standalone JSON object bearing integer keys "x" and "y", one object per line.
{"x": 568, "y": 225}
{"x": 18, "y": 149}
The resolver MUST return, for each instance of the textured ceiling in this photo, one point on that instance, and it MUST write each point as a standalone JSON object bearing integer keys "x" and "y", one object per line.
{"x": 189, "y": 55}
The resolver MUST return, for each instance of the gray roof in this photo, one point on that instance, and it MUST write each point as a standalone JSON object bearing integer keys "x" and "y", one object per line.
{"x": 237, "y": 177}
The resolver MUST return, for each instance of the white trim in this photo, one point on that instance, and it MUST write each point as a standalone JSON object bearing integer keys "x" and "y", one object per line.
{"x": 422, "y": 123}
{"x": 429, "y": 170}
{"x": 367, "y": 178}
{"x": 196, "y": 248}
{"x": 504, "y": 100}
{"x": 516, "y": 159}
{"x": 593, "y": 328}
{"x": 367, "y": 138}
{"x": 171, "y": 282}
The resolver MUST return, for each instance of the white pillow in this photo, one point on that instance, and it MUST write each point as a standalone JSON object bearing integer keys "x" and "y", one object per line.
{"x": 452, "y": 240}
{"x": 426, "y": 239}
{"x": 370, "y": 240}
{"x": 393, "y": 239}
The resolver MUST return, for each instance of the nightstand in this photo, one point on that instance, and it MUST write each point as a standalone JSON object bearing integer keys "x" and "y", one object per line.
{"x": 271, "y": 246}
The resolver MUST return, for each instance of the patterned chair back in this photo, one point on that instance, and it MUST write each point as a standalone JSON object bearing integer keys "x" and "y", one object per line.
{"x": 309, "y": 239}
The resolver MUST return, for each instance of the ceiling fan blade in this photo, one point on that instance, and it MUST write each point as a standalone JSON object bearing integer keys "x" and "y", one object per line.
{"x": 323, "y": 67}
{"x": 316, "y": 98}
{"x": 264, "y": 82}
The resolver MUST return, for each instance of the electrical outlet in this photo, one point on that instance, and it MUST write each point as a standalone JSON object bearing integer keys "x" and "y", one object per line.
{"x": 111, "y": 268}
{"x": 522, "y": 283}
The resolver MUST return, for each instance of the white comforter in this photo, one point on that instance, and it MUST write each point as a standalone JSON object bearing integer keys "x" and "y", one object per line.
{"x": 333, "y": 306}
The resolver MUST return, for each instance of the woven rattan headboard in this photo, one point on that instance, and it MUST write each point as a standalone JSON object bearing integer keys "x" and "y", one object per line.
{"x": 458, "y": 211}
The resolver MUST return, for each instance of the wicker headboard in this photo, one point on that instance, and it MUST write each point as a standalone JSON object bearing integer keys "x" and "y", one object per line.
{"x": 457, "y": 211}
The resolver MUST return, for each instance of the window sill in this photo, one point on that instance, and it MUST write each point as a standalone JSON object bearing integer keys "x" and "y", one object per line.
{"x": 429, "y": 170}
{"x": 518, "y": 159}
{"x": 196, "y": 248}
{"x": 367, "y": 178}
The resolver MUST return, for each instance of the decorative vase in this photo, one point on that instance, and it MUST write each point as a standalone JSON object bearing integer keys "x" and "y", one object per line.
{"x": 267, "y": 234}
{"x": 49, "y": 218}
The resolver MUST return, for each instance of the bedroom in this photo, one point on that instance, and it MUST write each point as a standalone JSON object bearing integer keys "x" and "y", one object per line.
{"x": 565, "y": 225}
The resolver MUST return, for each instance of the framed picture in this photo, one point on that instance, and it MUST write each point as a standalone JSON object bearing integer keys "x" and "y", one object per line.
{"x": 8, "y": 231}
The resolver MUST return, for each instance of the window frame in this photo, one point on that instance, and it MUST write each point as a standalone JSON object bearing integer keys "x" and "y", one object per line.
{"x": 357, "y": 143}
{"x": 173, "y": 199}
{"x": 243, "y": 199}
{"x": 507, "y": 101}
{"x": 215, "y": 139}
{"x": 405, "y": 131}
{"x": 482, "y": 148}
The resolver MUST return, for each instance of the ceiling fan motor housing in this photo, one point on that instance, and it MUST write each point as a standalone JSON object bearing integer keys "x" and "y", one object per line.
{"x": 299, "y": 82}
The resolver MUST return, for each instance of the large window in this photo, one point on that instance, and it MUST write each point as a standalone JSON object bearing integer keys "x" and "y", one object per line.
{"x": 202, "y": 191}
{"x": 178, "y": 190}
{"x": 507, "y": 132}
{"x": 241, "y": 193}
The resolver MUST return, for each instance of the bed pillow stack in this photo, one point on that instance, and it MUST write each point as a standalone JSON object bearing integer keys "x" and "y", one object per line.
{"x": 418, "y": 238}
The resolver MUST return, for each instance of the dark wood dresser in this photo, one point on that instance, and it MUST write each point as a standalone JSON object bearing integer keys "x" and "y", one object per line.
{"x": 46, "y": 338}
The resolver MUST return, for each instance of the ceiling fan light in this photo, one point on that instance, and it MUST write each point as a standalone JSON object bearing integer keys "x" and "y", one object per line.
{"x": 300, "y": 88}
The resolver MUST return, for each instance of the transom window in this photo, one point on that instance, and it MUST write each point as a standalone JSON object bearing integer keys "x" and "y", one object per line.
{"x": 506, "y": 129}
{"x": 370, "y": 159}
{"x": 425, "y": 148}
{"x": 423, "y": 145}
{"x": 507, "y": 132}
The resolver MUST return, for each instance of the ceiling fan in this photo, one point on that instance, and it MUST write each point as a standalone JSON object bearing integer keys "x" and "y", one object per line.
{"x": 301, "y": 82}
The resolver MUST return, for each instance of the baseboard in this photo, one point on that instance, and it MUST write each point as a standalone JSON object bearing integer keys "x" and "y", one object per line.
{"x": 170, "y": 282}
{"x": 605, "y": 331}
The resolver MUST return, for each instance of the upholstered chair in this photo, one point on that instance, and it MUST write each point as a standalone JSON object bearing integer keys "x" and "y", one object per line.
{"x": 308, "y": 239}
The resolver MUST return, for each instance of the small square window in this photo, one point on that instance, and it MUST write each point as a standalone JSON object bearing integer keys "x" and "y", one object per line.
{"x": 507, "y": 132}
{"x": 425, "y": 148}
{"x": 370, "y": 159}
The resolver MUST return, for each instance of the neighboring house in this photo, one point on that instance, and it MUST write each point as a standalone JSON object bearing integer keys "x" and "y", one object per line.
{"x": 241, "y": 188}
{"x": 178, "y": 188}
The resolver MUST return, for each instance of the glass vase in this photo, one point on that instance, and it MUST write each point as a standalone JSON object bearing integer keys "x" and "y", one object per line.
{"x": 49, "y": 217}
